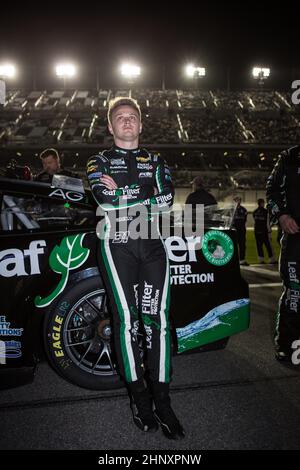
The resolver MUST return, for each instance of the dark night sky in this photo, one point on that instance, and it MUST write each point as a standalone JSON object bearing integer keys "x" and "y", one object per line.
{"x": 219, "y": 35}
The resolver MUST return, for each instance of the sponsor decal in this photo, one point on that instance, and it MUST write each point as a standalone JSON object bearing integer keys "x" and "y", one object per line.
{"x": 148, "y": 331}
{"x": 92, "y": 168}
{"x": 9, "y": 349}
{"x": 6, "y": 330}
{"x": 148, "y": 321}
{"x": 68, "y": 256}
{"x": 90, "y": 162}
{"x": 146, "y": 174}
{"x": 70, "y": 195}
{"x": 223, "y": 320}
{"x": 117, "y": 161}
{"x": 116, "y": 170}
{"x": 98, "y": 174}
{"x": 187, "y": 247}
{"x": 12, "y": 261}
{"x": 217, "y": 247}
{"x": 56, "y": 335}
{"x": 136, "y": 324}
{"x": 144, "y": 166}
{"x": 121, "y": 237}
{"x": 128, "y": 191}
{"x": 164, "y": 199}
{"x": 149, "y": 303}
{"x": 143, "y": 159}
{"x": 182, "y": 274}
{"x": 293, "y": 293}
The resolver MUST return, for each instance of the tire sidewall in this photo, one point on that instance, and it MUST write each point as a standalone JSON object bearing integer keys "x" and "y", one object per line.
{"x": 57, "y": 353}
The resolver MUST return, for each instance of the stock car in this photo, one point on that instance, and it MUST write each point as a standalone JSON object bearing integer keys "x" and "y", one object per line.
{"x": 53, "y": 301}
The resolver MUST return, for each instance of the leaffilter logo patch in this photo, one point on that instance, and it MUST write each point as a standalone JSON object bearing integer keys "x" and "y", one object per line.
{"x": 217, "y": 247}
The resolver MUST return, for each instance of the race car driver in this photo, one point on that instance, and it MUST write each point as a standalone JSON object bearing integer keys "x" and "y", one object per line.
{"x": 283, "y": 196}
{"x": 136, "y": 270}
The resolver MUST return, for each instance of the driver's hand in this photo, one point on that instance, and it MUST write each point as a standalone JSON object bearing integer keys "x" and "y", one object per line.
{"x": 108, "y": 182}
{"x": 288, "y": 224}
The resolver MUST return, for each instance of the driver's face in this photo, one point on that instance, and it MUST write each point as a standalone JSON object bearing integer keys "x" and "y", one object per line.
{"x": 51, "y": 164}
{"x": 125, "y": 123}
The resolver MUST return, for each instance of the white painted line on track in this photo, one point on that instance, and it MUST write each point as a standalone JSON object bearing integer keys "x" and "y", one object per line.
{"x": 268, "y": 284}
{"x": 261, "y": 270}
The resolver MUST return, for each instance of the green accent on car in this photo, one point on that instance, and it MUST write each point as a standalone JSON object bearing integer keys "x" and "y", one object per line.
{"x": 231, "y": 322}
{"x": 68, "y": 256}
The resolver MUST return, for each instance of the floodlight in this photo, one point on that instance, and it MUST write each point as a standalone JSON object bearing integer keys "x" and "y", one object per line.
{"x": 194, "y": 72}
{"x": 260, "y": 72}
{"x": 65, "y": 70}
{"x": 130, "y": 70}
{"x": 7, "y": 70}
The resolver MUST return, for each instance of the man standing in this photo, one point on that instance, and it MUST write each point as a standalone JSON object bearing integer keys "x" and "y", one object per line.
{"x": 283, "y": 196}
{"x": 239, "y": 223}
{"x": 200, "y": 195}
{"x": 52, "y": 166}
{"x": 261, "y": 231}
{"x": 136, "y": 270}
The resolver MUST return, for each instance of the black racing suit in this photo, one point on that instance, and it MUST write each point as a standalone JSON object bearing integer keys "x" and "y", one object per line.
{"x": 261, "y": 232}
{"x": 283, "y": 196}
{"x": 135, "y": 271}
{"x": 239, "y": 223}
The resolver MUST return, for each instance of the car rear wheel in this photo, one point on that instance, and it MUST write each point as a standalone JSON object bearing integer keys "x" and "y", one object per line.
{"x": 78, "y": 337}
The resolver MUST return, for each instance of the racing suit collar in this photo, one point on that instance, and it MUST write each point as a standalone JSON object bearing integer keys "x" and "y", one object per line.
{"x": 125, "y": 152}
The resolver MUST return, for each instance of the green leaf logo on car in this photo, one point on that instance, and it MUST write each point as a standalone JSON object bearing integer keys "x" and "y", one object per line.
{"x": 63, "y": 259}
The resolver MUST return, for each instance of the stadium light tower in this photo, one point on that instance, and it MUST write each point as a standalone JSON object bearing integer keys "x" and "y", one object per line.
{"x": 7, "y": 71}
{"x": 65, "y": 71}
{"x": 261, "y": 74}
{"x": 192, "y": 71}
{"x": 130, "y": 72}
{"x": 195, "y": 73}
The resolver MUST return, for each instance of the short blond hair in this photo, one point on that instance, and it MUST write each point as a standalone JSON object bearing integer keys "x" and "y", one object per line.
{"x": 122, "y": 101}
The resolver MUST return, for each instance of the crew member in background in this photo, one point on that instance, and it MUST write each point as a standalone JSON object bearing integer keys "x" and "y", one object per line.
{"x": 52, "y": 166}
{"x": 283, "y": 198}
{"x": 200, "y": 195}
{"x": 239, "y": 223}
{"x": 262, "y": 231}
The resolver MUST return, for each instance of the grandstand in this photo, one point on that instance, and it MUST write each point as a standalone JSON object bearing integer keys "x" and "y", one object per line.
{"x": 231, "y": 137}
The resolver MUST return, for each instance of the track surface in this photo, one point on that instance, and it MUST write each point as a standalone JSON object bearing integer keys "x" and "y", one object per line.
{"x": 237, "y": 398}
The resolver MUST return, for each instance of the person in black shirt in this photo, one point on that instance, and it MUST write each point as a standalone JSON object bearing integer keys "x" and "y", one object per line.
{"x": 261, "y": 231}
{"x": 283, "y": 197}
{"x": 52, "y": 166}
{"x": 200, "y": 195}
{"x": 239, "y": 223}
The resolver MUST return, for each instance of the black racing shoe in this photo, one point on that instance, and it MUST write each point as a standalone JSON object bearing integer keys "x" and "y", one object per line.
{"x": 141, "y": 407}
{"x": 170, "y": 425}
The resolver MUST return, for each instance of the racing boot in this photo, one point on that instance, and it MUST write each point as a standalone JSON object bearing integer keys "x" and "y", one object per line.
{"x": 141, "y": 407}
{"x": 163, "y": 412}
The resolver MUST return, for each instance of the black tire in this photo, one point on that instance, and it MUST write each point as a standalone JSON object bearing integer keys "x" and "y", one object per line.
{"x": 77, "y": 337}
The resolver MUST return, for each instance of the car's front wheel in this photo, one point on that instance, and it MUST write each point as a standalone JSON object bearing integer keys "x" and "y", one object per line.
{"x": 78, "y": 337}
